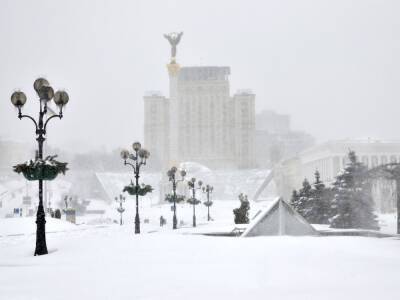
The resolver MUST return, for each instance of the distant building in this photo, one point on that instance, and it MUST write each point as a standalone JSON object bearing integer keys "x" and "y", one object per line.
{"x": 200, "y": 121}
{"x": 329, "y": 159}
{"x": 275, "y": 140}
{"x": 272, "y": 122}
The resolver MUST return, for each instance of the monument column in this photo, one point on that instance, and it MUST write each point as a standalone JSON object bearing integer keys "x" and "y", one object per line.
{"x": 174, "y": 111}
{"x": 172, "y": 156}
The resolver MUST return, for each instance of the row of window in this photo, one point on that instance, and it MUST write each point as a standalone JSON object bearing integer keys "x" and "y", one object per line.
{"x": 374, "y": 160}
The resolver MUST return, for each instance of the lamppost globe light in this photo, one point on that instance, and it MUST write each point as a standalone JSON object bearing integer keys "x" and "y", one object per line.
{"x": 18, "y": 99}
{"x": 124, "y": 154}
{"x": 61, "y": 98}
{"x": 136, "y": 146}
{"x": 193, "y": 179}
{"x": 169, "y": 174}
{"x": 143, "y": 153}
{"x": 39, "y": 83}
{"x": 174, "y": 169}
{"x": 200, "y": 183}
{"x": 46, "y": 93}
{"x": 183, "y": 173}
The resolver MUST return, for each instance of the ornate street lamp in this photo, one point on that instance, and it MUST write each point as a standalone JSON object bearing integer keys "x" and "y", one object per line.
{"x": 60, "y": 98}
{"x": 208, "y": 190}
{"x": 172, "y": 177}
{"x": 138, "y": 158}
{"x": 120, "y": 209}
{"x": 194, "y": 201}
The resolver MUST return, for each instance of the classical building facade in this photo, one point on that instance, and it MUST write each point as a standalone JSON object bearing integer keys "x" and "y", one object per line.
{"x": 200, "y": 121}
{"x": 330, "y": 158}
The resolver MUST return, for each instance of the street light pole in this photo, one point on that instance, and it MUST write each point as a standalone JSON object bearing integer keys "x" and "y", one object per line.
{"x": 171, "y": 174}
{"x": 61, "y": 98}
{"x": 208, "y": 190}
{"x": 120, "y": 209}
{"x": 139, "y": 158}
{"x": 194, "y": 201}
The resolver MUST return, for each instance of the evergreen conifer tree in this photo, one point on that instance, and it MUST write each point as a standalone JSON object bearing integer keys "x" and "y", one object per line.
{"x": 352, "y": 205}
{"x": 318, "y": 205}
{"x": 304, "y": 194}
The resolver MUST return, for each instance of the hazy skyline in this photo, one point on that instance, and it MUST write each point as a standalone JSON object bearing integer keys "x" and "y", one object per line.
{"x": 333, "y": 66}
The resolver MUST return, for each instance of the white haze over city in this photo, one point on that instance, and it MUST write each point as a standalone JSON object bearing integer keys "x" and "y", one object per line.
{"x": 330, "y": 65}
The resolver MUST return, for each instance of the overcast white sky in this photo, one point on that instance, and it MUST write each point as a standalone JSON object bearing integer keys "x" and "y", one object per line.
{"x": 334, "y": 66}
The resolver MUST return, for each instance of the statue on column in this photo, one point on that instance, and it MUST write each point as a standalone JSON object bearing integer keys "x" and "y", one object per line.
{"x": 174, "y": 39}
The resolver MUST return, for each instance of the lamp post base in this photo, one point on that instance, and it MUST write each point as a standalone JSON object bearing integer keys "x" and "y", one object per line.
{"x": 41, "y": 246}
{"x": 174, "y": 222}
{"x": 137, "y": 224}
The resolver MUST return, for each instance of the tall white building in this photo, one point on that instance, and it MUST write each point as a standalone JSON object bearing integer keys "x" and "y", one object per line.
{"x": 200, "y": 121}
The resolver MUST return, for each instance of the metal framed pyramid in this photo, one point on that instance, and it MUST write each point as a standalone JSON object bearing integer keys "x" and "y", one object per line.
{"x": 279, "y": 219}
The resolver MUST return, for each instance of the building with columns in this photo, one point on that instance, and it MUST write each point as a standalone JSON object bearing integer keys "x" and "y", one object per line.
{"x": 200, "y": 121}
{"x": 329, "y": 159}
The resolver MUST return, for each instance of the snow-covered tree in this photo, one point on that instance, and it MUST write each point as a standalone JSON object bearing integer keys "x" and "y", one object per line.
{"x": 318, "y": 207}
{"x": 313, "y": 201}
{"x": 352, "y": 205}
{"x": 304, "y": 194}
{"x": 242, "y": 213}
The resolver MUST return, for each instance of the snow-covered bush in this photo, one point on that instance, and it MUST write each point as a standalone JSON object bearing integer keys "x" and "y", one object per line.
{"x": 242, "y": 213}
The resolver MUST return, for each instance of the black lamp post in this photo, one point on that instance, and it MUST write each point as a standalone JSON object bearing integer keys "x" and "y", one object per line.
{"x": 138, "y": 157}
{"x": 194, "y": 201}
{"x": 61, "y": 98}
{"x": 208, "y": 190}
{"x": 171, "y": 174}
{"x": 120, "y": 209}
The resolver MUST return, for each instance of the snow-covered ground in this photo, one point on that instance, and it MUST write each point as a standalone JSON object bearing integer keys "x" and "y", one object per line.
{"x": 98, "y": 259}
{"x": 110, "y": 262}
